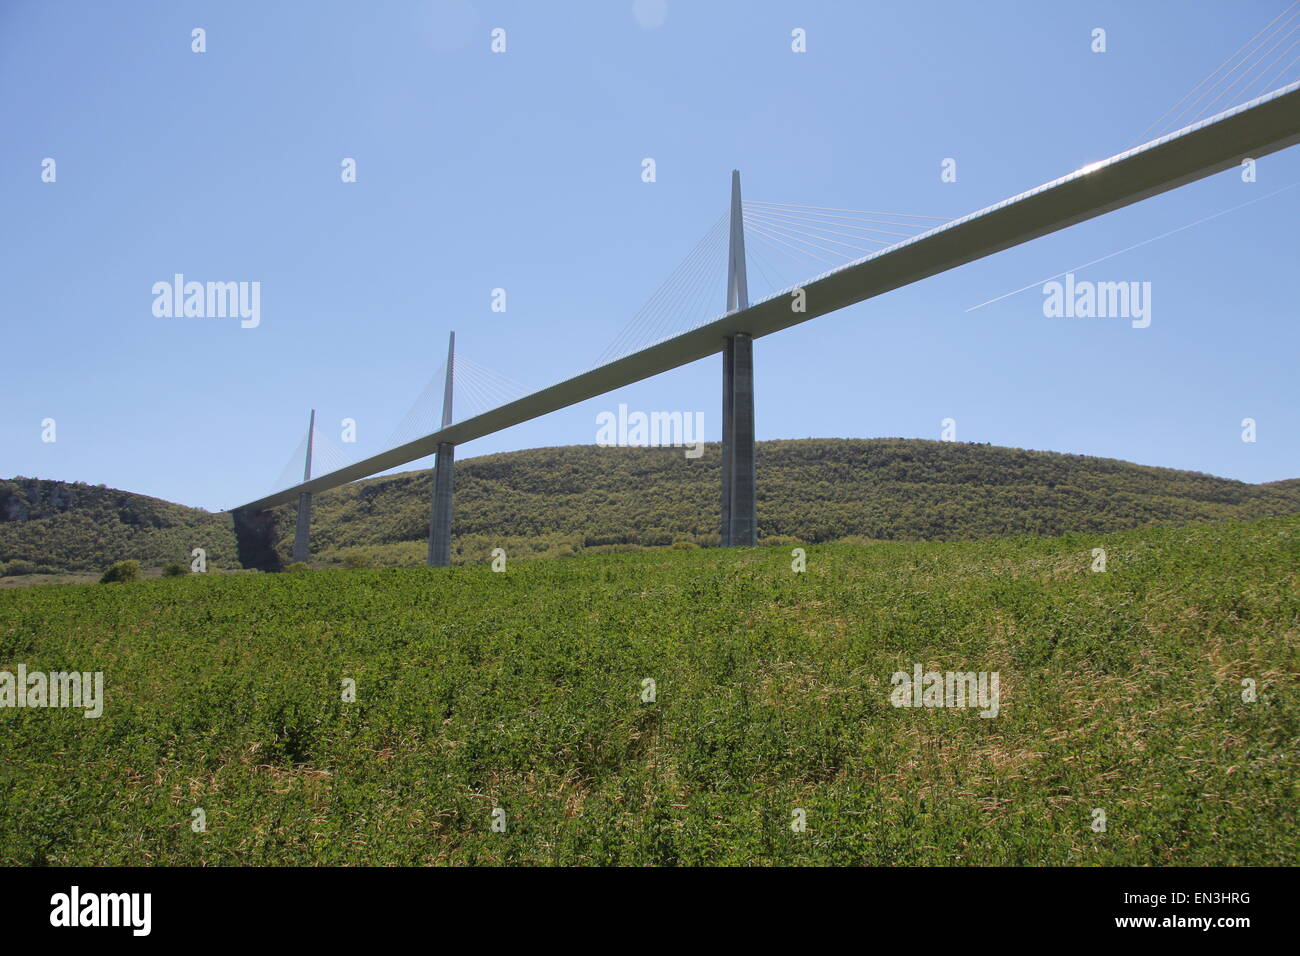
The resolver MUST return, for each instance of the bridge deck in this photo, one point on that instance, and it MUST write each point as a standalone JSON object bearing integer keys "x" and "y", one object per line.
{"x": 1254, "y": 129}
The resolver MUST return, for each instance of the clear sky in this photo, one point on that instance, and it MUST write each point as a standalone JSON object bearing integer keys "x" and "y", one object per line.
{"x": 522, "y": 170}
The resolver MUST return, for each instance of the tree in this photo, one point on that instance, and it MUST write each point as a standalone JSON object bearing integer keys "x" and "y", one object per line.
{"x": 122, "y": 571}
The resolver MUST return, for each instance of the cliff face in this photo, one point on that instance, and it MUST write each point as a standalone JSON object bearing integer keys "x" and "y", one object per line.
{"x": 255, "y": 539}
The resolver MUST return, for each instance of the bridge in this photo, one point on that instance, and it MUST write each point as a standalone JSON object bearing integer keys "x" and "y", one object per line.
{"x": 1263, "y": 125}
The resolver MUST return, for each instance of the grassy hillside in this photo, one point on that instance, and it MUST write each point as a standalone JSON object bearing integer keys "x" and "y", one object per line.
{"x": 558, "y": 501}
{"x": 1120, "y": 691}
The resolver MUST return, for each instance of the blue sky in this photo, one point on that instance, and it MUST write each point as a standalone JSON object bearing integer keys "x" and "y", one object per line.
{"x": 522, "y": 171}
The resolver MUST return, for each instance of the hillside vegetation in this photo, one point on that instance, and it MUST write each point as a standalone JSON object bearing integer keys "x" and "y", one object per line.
{"x": 56, "y": 526}
{"x": 560, "y": 501}
{"x": 523, "y": 691}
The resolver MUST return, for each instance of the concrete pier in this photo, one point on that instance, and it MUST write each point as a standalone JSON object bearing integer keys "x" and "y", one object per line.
{"x": 743, "y": 513}
{"x": 739, "y": 516}
{"x": 302, "y": 534}
{"x": 440, "y": 521}
{"x": 444, "y": 477}
{"x": 728, "y": 388}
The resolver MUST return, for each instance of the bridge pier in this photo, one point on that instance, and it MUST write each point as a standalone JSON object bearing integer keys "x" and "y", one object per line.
{"x": 443, "y": 477}
{"x": 440, "y": 520}
{"x": 739, "y": 515}
{"x": 302, "y": 533}
{"x": 728, "y": 390}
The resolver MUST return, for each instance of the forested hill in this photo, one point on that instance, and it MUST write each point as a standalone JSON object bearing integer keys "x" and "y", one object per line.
{"x": 563, "y": 500}
{"x": 56, "y": 526}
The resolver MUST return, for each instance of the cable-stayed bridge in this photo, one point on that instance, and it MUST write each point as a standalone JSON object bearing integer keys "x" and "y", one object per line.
{"x": 1253, "y": 129}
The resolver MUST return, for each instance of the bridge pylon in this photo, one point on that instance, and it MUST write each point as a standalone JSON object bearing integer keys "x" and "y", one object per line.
{"x": 443, "y": 477}
{"x": 739, "y": 517}
{"x": 302, "y": 534}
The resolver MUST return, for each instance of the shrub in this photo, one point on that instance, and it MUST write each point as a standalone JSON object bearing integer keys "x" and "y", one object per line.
{"x": 684, "y": 545}
{"x": 19, "y": 566}
{"x": 122, "y": 571}
{"x": 355, "y": 561}
{"x": 175, "y": 569}
{"x": 296, "y": 568}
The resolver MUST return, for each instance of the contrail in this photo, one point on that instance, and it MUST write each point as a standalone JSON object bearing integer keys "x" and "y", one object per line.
{"x": 1144, "y": 242}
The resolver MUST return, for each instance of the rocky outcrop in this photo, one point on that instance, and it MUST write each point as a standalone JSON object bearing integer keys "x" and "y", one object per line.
{"x": 255, "y": 536}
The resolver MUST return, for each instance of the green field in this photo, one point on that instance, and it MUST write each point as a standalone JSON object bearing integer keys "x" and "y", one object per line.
{"x": 1120, "y": 691}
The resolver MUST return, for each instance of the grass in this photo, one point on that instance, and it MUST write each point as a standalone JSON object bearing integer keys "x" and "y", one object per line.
{"x": 1119, "y": 690}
